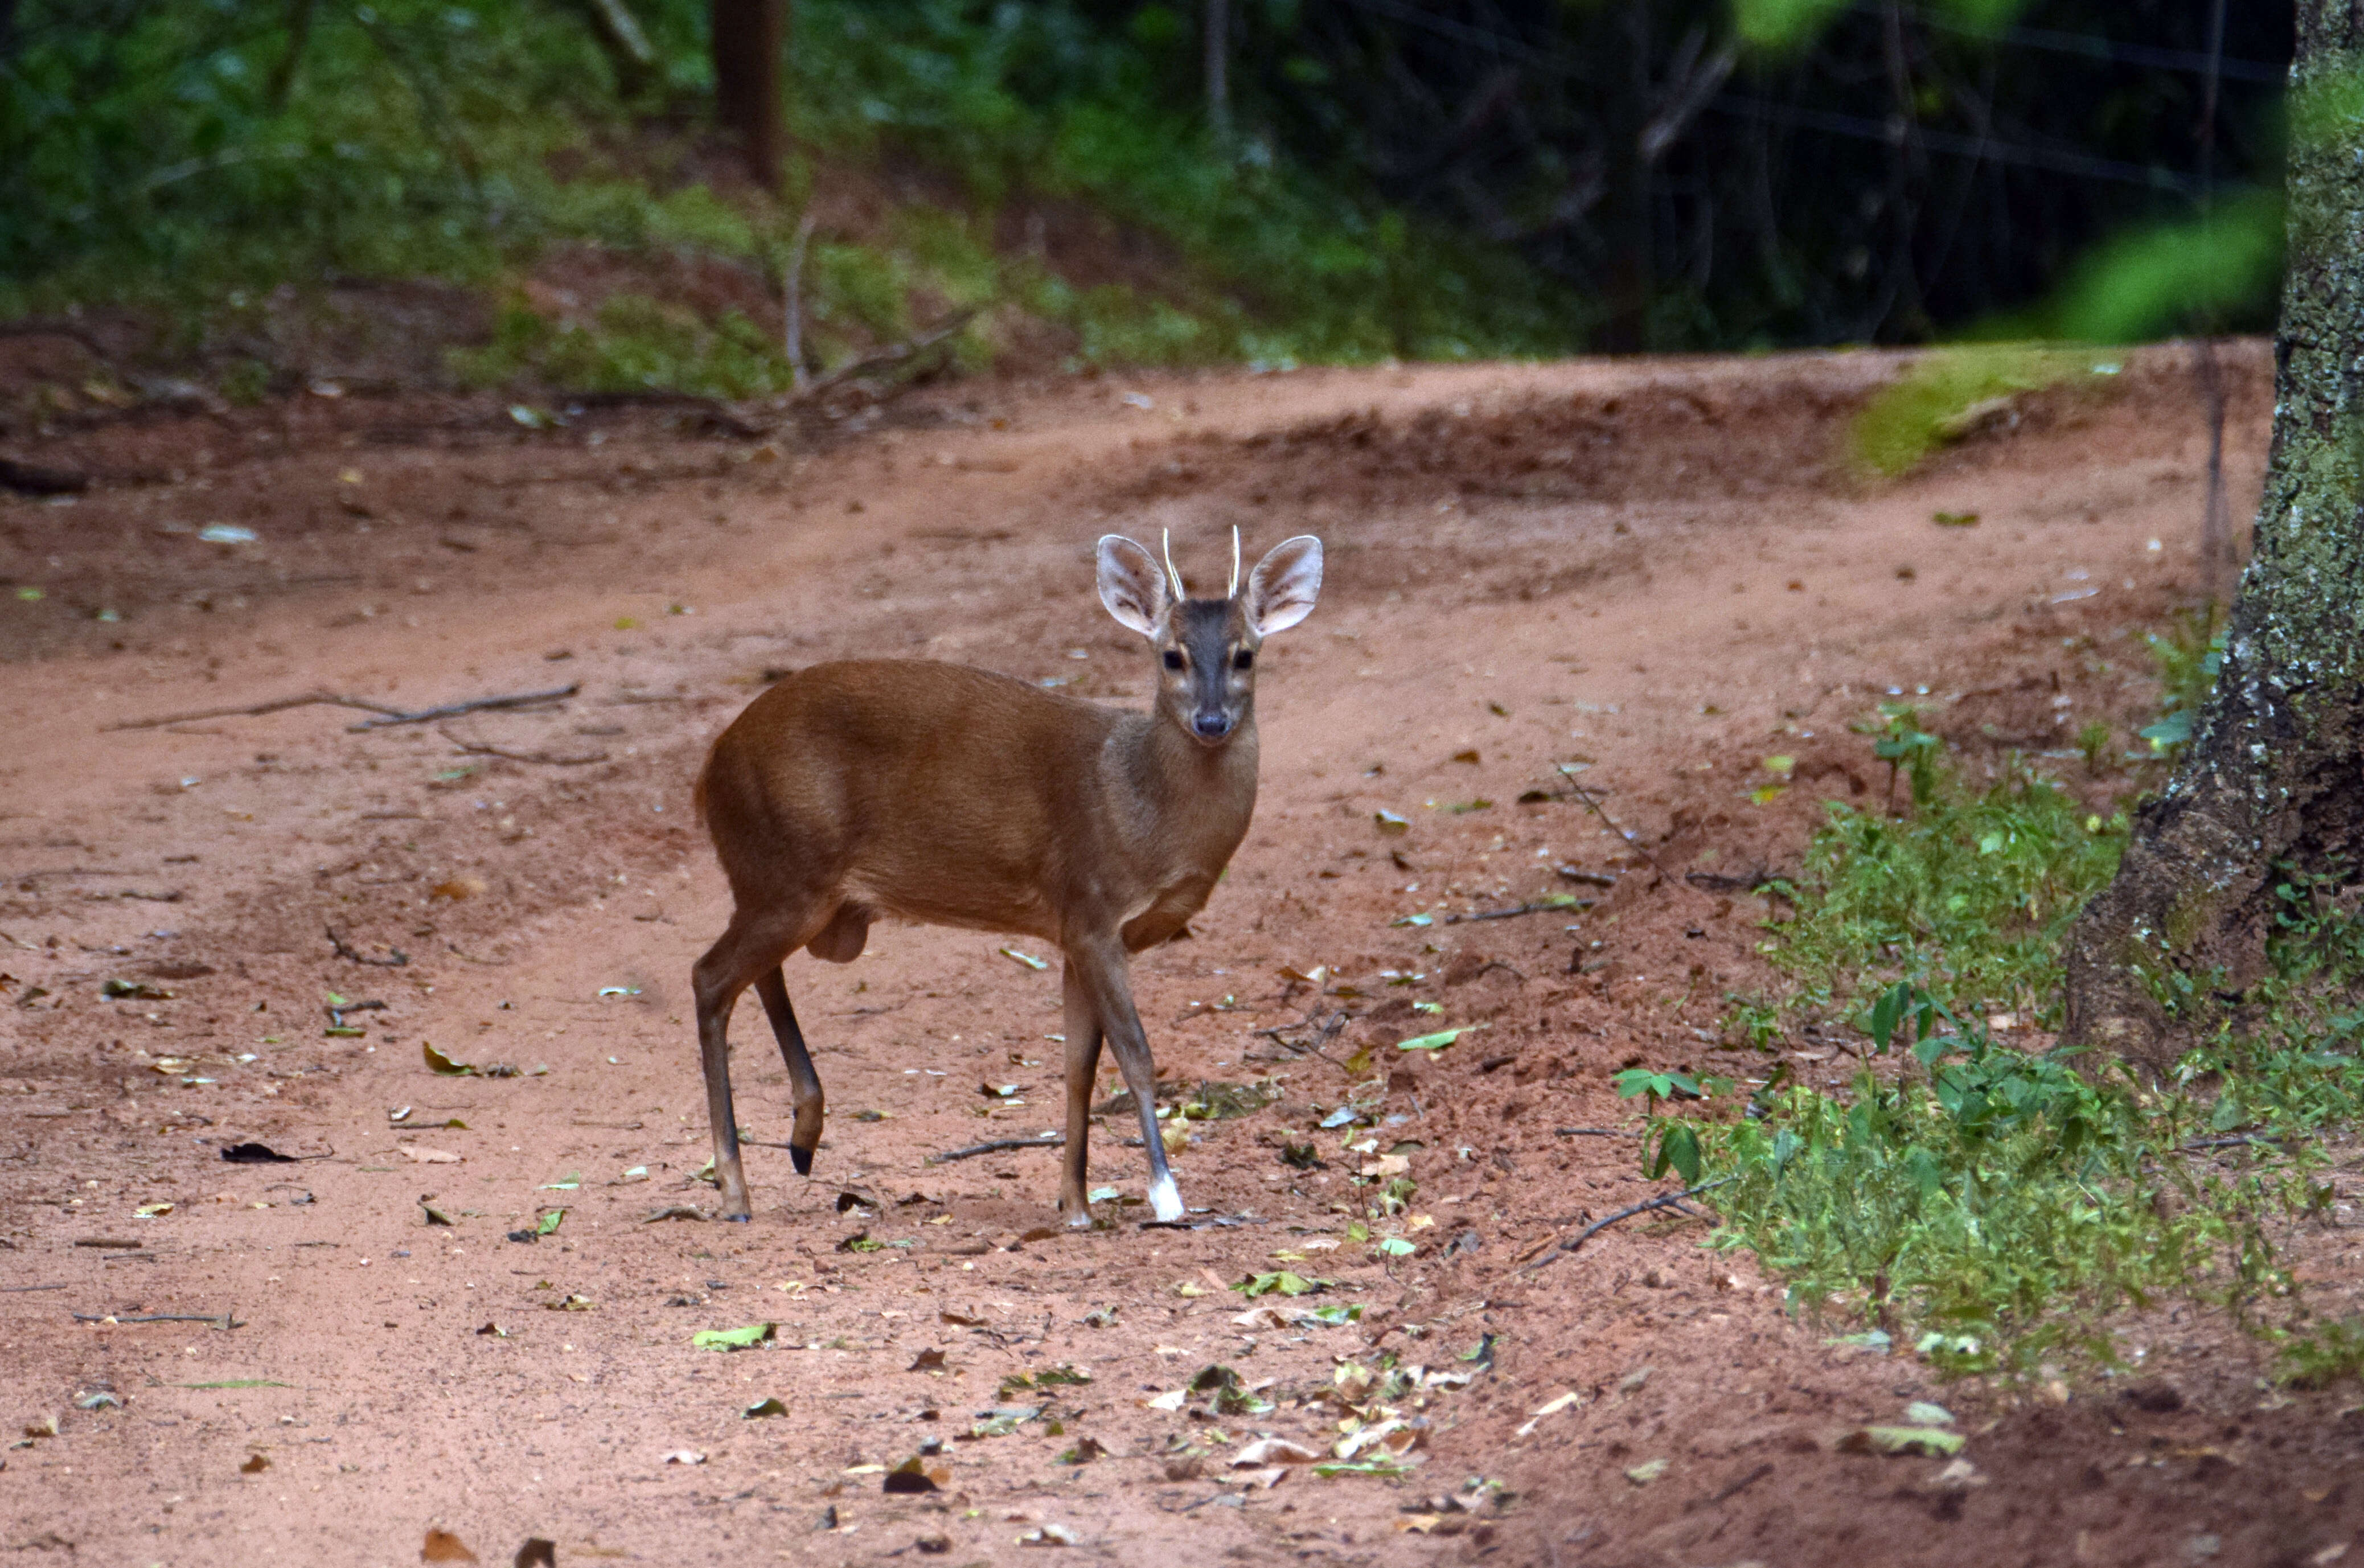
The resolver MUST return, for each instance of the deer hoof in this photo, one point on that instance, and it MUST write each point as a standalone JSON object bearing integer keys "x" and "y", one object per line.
{"x": 1165, "y": 1199}
{"x": 802, "y": 1159}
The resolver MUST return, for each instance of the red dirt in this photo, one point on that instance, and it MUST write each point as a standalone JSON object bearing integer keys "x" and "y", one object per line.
{"x": 1654, "y": 567}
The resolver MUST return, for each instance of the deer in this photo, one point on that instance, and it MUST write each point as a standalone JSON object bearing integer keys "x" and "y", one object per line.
{"x": 865, "y": 789}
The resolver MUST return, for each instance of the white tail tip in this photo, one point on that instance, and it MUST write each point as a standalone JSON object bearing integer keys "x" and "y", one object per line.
{"x": 1165, "y": 1198}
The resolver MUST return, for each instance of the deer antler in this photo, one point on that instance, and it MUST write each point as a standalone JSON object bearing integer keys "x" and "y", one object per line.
{"x": 1165, "y": 537}
{"x": 1235, "y": 561}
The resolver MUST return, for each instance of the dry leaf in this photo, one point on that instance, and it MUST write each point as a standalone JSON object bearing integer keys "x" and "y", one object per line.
{"x": 1272, "y": 1451}
{"x": 429, "y": 1156}
{"x": 442, "y": 1546}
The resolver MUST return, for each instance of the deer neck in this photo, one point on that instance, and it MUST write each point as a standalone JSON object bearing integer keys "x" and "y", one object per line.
{"x": 1193, "y": 798}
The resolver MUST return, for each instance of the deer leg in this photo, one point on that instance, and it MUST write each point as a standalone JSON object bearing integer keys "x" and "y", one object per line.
{"x": 1102, "y": 971}
{"x": 745, "y": 952}
{"x": 1083, "y": 1067}
{"x": 804, "y": 1084}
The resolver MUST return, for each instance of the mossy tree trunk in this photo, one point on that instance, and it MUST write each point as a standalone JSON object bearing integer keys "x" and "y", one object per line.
{"x": 2273, "y": 781}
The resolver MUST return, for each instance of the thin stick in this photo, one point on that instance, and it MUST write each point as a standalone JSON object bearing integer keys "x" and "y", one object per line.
{"x": 20, "y": 1289}
{"x": 1516, "y": 909}
{"x": 1664, "y": 1200}
{"x": 1596, "y": 1132}
{"x": 478, "y": 748}
{"x": 308, "y": 698}
{"x": 887, "y": 357}
{"x": 224, "y": 1321}
{"x": 344, "y": 949}
{"x": 997, "y": 1145}
{"x": 792, "y": 337}
{"x": 1585, "y": 796}
{"x": 475, "y": 704}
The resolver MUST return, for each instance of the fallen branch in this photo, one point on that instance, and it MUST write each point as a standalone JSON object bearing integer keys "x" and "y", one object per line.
{"x": 1664, "y": 1200}
{"x": 254, "y": 710}
{"x": 478, "y": 748}
{"x": 475, "y": 704}
{"x": 887, "y": 357}
{"x": 997, "y": 1146}
{"x": 1596, "y": 1132}
{"x": 225, "y": 1321}
{"x": 344, "y": 949}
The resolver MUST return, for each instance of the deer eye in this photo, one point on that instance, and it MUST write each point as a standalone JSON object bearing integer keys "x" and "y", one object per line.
{"x": 1174, "y": 659}
{"x": 1244, "y": 660}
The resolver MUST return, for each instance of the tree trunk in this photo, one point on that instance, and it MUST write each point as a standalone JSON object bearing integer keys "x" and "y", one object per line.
{"x": 749, "y": 38}
{"x": 2273, "y": 782}
{"x": 1218, "y": 41}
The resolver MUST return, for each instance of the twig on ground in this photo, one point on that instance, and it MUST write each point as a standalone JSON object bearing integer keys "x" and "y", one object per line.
{"x": 1632, "y": 840}
{"x": 1716, "y": 882}
{"x": 345, "y": 950}
{"x": 1596, "y": 1132}
{"x": 1664, "y": 1200}
{"x": 997, "y": 1146}
{"x": 253, "y": 710}
{"x": 887, "y": 357}
{"x": 21, "y": 1289}
{"x": 225, "y": 1321}
{"x": 475, "y": 704}
{"x": 1516, "y": 909}
{"x": 478, "y": 748}
{"x": 1737, "y": 1488}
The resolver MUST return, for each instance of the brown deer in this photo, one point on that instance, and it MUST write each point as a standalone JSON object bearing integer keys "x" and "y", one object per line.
{"x": 954, "y": 796}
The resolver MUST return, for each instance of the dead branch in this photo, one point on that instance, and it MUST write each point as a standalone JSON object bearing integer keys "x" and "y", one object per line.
{"x": 257, "y": 709}
{"x": 997, "y": 1146}
{"x": 792, "y": 290}
{"x": 887, "y": 357}
{"x": 478, "y": 748}
{"x": 1578, "y": 904}
{"x": 1596, "y": 1132}
{"x": 390, "y": 716}
{"x": 1664, "y": 1200}
{"x": 344, "y": 949}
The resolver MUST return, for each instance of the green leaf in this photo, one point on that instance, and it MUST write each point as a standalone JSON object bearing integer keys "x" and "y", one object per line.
{"x": 1281, "y": 1281}
{"x": 742, "y": 1339}
{"x": 437, "y": 1062}
{"x": 1028, "y": 959}
{"x": 550, "y": 1222}
{"x": 761, "y": 1407}
{"x": 1397, "y": 1247}
{"x": 1934, "y": 1441}
{"x": 1438, "y": 1040}
{"x": 1336, "y": 1317}
{"x": 565, "y": 1183}
{"x": 1414, "y": 920}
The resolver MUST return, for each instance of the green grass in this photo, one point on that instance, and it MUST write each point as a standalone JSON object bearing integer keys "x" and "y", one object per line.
{"x": 162, "y": 157}
{"x": 1943, "y": 395}
{"x": 1999, "y": 1210}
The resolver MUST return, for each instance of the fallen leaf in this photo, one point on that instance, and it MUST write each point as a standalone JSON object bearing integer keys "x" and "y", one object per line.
{"x": 538, "y": 1552}
{"x": 255, "y": 1466}
{"x": 1649, "y": 1470}
{"x": 1028, "y": 959}
{"x": 439, "y": 1062}
{"x": 676, "y": 1211}
{"x": 47, "y": 1427}
{"x": 494, "y": 1332}
{"x": 684, "y": 1456}
{"x": 1921, "y": 1412}
{"x": 429, "y": 1156}
{"x": 1170, "y": 1400}
{"x": 1389, "y": 825}
{"x": 926, "y": 1361}
{"x": 1272, "y": 1451}
{"x": 1934, "y": 1441}
{"x": 910, "y": 1477}
{"x": 1438, "y": 1040}
{"x": 572, "y": 1304}
{"x": 256, "y": 1154}
{"x": 442, "y": 1546}
{"x": 742, "y": 1339}
{"x": 761, "y": 1407}
{"x": 1083, "y": 1452}
{"x": 151, "y": 1210}
{"x": 434, "y": 1214}
{"x": 1050, "y": 1535}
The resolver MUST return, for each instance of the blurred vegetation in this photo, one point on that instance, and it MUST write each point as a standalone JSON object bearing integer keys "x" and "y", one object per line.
{"x": 1463, "y": 179}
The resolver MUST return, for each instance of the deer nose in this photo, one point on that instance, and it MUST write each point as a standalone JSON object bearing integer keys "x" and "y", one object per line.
{"x": 1211, "y": 726}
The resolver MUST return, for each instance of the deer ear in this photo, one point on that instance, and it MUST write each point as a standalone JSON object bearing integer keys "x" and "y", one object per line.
{"x": 1132, "y": 585}
{"x": 1282, "y": 588}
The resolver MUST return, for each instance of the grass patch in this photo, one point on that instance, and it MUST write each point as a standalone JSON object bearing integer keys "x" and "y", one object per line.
{"x": 1949, "y": 393}
{"x": 1994, "y": 1209}
{"x": 1971, "y": 894}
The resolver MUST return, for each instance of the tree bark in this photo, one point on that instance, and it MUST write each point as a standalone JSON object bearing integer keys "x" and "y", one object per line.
{"x": 1217, "y": 39}
{"x": 749, "y": 38}
{"x": 2273, "y": 781}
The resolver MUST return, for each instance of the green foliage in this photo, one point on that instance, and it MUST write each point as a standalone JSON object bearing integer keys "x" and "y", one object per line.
{"x": 2188, "y": 656}
{"x": 1972, "y": 894}
{"x": 1791, "y": 24}
{"x": 2176, "y": 277}
{"x": 2332, "y": 1352}
{"x": 1946, "y": 393}
{"x": 1995, "y": 1205}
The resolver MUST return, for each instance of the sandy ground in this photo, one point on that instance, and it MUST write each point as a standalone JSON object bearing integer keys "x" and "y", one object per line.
{"x": 1654, "y": 569}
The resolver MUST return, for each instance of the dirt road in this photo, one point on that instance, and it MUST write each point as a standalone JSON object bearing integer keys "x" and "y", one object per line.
{"x": 463, "y": 1315}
